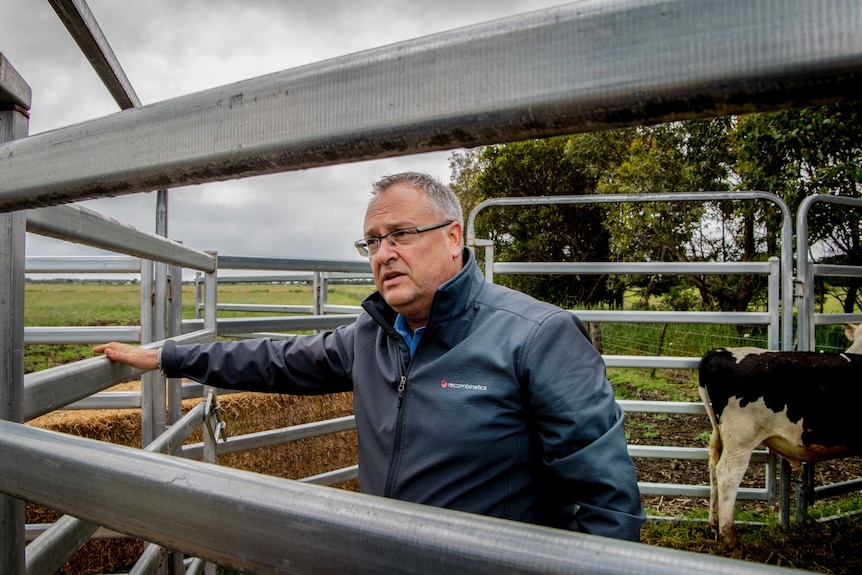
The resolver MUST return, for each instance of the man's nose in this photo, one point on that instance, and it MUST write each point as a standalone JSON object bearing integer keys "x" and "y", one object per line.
{"x": 386, "y": 251}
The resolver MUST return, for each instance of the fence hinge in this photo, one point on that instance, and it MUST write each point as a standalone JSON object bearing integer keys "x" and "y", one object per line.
{"x": 798, "y": 288}
{"x": 212, "y": 411}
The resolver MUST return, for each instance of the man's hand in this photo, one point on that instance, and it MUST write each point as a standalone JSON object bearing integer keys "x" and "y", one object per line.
{"x": 146, "y": 359}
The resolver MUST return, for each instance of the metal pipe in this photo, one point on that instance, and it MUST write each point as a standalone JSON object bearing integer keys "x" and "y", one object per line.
{"x": 292, "y": 265}
{"x": 147, "y": 336}
{"x": 253, "y": 324}
{"x": 85, "y": 30}
{"x": 175, "y": 325}
{"x": 14, "y": 90}
{"x": 274, "y": 437}
{"x": 109, "y": 400}
{"x": 574, "y": 68}
{"x": 211, "y": 421}
{"x": 631, "y": 267}
{"x": 55, "y": 387}
{"x": 158, "y": 405}
{"x": 88, "y": 334}
{"x": 35, "y": 530}
{"x": 82, "y": 264}
{"x": 47, "y": 553}
{"x": 149, "y": 561}
{"x": 333, "y": 477}
{"x": 699, "y": 317}
{"x": 85, "y": 226}
{"x": 14, "y": 124}
{"x": 266, "y": 524}
{"x": 259, "y": 308}
{"x": 661, "y": 362}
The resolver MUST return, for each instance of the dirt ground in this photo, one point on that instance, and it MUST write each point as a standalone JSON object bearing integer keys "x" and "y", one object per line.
{"x": 687, "y": 431}
{"x": 828, "y": 547}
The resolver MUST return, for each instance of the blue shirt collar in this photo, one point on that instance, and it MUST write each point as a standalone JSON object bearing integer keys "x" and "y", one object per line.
{"x": 411, "y": 337}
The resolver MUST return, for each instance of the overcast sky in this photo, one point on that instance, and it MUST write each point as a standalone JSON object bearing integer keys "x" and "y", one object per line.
{"x": 172, "y": 48}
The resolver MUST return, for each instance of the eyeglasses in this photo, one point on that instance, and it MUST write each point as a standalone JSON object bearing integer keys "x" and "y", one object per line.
{"x": 369, "y": 246}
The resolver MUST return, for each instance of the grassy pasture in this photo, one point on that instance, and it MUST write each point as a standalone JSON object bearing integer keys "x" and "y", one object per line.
{"x": 85, "y": 304}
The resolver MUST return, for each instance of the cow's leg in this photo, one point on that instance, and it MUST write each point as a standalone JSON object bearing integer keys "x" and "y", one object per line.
{"x": 714, "y": 455}
{"x": 740, "y": 434}
{"x": 729, "y": 472}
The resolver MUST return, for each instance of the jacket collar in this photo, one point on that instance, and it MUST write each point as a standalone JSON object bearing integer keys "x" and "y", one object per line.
{"x": 451, "y": 298}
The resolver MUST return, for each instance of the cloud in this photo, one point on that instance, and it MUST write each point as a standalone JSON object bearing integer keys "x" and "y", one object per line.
{"x": 170, "y": 48}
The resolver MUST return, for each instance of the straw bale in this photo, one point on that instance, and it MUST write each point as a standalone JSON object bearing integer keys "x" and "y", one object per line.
{"x": 250, "y": 412}
{"x": 96, "y": 555}
{"x": 243, "y": 413}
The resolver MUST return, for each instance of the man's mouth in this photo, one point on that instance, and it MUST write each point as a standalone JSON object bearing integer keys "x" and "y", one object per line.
{"x": 389, "y": 276}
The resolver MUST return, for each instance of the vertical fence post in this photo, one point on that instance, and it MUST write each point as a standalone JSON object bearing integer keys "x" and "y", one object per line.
{"x": 316, "y": 304}
{"x": 162, "y": 403}
{"x": 14, "y": 123}
{"x": 160, "y": 316}
{"x": 175, "y": 328}
{"x": 210, "y": 322}
{"x": 198, "y": 282}
{"x": 147, "y": 424}
{"x": 324, "y": 292}
{"x": 773, "y": 331}
{"x": 174, "y": 322}
{"x": 776, "y": 286}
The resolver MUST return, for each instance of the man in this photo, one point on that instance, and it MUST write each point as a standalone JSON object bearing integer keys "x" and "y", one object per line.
{"x": 467, "y": 395}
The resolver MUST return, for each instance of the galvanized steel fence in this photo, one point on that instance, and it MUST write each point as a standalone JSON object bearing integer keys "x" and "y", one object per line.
{"x": 581, "y": 67}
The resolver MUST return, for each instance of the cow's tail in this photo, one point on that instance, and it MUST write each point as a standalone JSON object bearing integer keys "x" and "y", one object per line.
{"x": 707, "y": 403}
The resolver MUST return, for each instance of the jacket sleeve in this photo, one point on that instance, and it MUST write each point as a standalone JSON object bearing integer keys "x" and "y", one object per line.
{"x": 580, "y": 427}
{"x": 304, "y": 365}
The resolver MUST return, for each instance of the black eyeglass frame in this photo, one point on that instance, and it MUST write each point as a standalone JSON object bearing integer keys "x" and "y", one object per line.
{"x": 364, "y": 249}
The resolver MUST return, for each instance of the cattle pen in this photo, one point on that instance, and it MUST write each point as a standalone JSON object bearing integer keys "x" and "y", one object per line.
{"x": 581, "y": 67}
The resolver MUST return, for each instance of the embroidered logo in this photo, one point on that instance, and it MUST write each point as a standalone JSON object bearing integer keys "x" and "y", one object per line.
{"x": 449, "y": 385}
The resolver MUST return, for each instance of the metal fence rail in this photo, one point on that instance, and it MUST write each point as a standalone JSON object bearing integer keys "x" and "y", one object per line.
{"x": 53, "y": 388}
{"x": 807, "y": 320}
{"x": 56, "y": 544}
{"x": 578, "y": 67}
{"x": 84, "y": 225}
{"x": 583, "y": 67}
{"x": 281, "y": 526}
{"x": 782, "y": 287}
{"x": 778, "y": 270}
{"x": 317, "y": 272}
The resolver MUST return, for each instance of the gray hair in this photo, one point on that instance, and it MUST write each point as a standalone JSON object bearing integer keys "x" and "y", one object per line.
{"x": 444, "y": 202}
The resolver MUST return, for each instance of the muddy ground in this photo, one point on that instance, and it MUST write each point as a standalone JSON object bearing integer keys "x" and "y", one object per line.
{"x": 828, "y": 547}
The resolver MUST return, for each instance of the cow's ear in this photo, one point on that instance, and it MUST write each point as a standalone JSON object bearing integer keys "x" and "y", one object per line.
{"x": 850, "y": 331}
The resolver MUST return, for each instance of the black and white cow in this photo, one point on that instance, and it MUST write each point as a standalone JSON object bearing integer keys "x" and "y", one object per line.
{"x": 804, "y": 406}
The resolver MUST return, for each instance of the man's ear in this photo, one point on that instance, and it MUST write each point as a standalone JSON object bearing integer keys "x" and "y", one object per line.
{"x": 455, "y": 234}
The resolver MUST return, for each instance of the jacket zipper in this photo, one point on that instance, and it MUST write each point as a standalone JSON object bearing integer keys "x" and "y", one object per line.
{"x": 396, "y": 445}
{"x": 401, "y": 389}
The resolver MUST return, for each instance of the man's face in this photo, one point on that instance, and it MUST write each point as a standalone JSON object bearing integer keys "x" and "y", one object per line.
{"x": 407, "y": 276}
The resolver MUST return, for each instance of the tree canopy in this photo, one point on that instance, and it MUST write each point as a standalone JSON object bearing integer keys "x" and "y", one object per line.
{"x": 792, "y": 154}
{"x": 564, "y": 233}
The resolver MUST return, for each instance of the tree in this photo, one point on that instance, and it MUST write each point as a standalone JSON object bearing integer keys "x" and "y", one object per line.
{"x": 557, "y": 166}
{"x": 793, "y": 154}
{"x": 660, "y": 160}
{"x": 798, "y": 153}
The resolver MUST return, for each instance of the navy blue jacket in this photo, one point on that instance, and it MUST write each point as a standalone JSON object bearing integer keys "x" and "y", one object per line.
{"x": 503, "y": 410}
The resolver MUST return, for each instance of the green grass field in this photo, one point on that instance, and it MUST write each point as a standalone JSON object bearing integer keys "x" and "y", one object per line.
{"x": 85, "y": 304}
